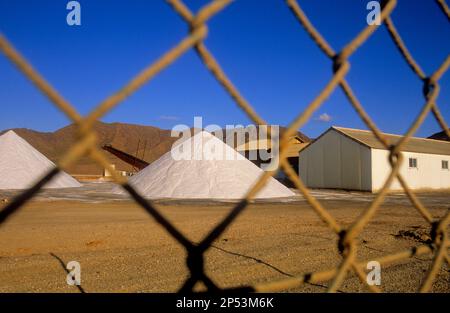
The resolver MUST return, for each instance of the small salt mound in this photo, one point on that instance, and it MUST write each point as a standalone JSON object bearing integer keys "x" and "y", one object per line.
{"x": 21, "y": 165}
{"x": 224, "y": 174}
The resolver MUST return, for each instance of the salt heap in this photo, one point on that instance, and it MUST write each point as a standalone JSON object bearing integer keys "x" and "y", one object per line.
{"x": 21, "y": 165}
{"x": 206, "y": 173}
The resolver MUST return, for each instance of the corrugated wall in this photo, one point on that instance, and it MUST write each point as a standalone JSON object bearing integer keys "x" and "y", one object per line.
{"x": 335, "y": 161}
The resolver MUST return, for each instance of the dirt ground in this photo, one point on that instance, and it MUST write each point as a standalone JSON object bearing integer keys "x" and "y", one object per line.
{"x": 122, "y": 249}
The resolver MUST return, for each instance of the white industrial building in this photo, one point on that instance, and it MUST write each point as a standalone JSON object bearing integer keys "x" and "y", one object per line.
{"x": 353, "y": 159}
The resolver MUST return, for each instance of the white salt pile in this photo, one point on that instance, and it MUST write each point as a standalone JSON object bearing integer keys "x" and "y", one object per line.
{"x": 203, "y": 167}
{"x": 21, "y": 165}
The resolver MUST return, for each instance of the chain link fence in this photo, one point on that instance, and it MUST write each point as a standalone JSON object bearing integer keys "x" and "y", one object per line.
{"x": 86, "y": 144}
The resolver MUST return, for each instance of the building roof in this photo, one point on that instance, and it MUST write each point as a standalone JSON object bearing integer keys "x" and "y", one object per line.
{"x": 414, "y": 144}
{"x": 295, "y": 145}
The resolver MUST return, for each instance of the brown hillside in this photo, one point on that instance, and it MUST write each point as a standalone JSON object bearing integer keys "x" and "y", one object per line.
{"x": 124, "y": 137}
{"x": 282, "y": 130}
{"x": 440, "y": 136}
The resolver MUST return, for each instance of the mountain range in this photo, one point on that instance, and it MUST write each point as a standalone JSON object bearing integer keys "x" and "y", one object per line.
{"x": 152, "y": 141}
{"x": 440, "y": 136}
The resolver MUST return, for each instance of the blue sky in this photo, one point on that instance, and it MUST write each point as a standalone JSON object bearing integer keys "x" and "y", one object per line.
{"x": 260, "y": 45}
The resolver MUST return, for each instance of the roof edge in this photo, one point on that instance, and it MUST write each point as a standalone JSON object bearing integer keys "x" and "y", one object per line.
{"x": 389, "y": 134}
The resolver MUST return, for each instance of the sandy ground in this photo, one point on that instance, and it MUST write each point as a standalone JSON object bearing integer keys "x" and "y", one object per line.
{"x": 121, "y": 249}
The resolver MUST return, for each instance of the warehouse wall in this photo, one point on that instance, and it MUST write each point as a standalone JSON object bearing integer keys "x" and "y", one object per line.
{"x": 335, "y": 161}
{"x": 428, "y": 174}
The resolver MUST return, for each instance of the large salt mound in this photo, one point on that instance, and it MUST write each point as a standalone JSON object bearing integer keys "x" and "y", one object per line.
{"x": 197, "y": 178}
{"x": 21, "y": 165}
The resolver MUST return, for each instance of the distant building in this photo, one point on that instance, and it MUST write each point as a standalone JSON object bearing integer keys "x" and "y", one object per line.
{"x": 354, "y": 159}
{"x": 262, "y": 147}
{"x": 107, "y": 174}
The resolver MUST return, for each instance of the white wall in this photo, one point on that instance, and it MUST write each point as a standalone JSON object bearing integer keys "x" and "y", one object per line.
{"x": 335, "y": 161}
{"x": 428, "y": 174}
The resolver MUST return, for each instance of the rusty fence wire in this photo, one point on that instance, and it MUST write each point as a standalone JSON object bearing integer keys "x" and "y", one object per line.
{"x": 86, "y": 144}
